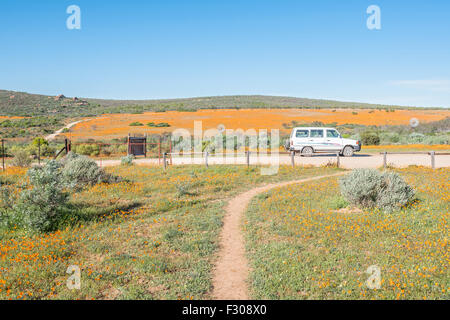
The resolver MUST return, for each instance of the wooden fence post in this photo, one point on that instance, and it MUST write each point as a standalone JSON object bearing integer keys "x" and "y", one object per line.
{"x": 159, "y": 151}
{"x": 433, "y": 160}
{"x": 293, "y": 159}
{"x": 39, "y": 151}
{"x": 338, "y": 162}
{"x": 128, "y": 145}
{"x": 145, "y": 146}
{"x": 385, "y": 159}
{"x": 66, "y": 145}
{"x": 165, "y": 160}
{"x": 170, "y": 146}
{"x": 3, "y": 154}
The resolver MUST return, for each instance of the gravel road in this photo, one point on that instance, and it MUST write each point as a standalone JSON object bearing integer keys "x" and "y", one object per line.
{"x": 357, "y": 161}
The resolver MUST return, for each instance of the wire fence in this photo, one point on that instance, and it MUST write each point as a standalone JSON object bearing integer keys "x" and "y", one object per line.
{"x": 40, "y": 149}
{"x": 160, "y": 148}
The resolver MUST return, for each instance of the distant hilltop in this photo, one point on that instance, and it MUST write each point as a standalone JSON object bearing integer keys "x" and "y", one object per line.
{"x": 25, "y": 104}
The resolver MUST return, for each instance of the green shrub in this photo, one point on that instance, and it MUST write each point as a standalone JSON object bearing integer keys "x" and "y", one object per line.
{"x": 439, "y": 139}
{"x": 122, "y": 149}
{"x": 7, "y": 200}
{"x": 136, "y": 124}
{"x": 338, "y": 203}
{"x": 369, "y": 188}
{"x": 360, "y": 187}
{"x": 416, "y": 137}
{"x": 394, "y": 193}
{"x": 21, "y": 158}
{"x": 184, "y": 188}
{"x": 46, "y": 150}
{"x": 107, "y": 151}
{"x": 158, "y": 125}
{"x": 79, "y": 171}
{"x": 40, "y": 207}
{"x": 389, "y": 137}
{"x": 127, "y": 160}
{"x": 39, "y": 141}
{"x": 370, "y": 138}
{"x": 92, "y": 150}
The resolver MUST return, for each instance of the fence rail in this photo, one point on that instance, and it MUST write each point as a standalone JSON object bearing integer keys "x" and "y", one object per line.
{"x": 423, "y": 152}
{"x": 432, "y": 155}
{"x": 246, "y": 154}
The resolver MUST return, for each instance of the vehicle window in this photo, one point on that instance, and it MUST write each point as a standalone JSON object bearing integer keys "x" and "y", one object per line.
{"x": 332, "y": 134}
{"x": 302, "y": 134}
{"x": 316, "y": 133}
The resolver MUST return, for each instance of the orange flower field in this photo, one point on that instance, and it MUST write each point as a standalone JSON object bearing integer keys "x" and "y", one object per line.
{"x": 118, "y": 125}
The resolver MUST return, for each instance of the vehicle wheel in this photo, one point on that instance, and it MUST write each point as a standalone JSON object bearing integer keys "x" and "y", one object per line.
{"x": 348, "y": 151}
{"x": 307, "y": 152}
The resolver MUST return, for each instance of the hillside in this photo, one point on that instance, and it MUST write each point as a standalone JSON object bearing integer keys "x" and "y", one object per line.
{"x": 24, "y": 104}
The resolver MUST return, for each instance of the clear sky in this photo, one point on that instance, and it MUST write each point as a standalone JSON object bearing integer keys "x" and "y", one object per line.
{"x": 138, "y": 49}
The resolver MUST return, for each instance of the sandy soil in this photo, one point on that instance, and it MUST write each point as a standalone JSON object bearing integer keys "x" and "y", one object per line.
{"x": 231, "y": 271}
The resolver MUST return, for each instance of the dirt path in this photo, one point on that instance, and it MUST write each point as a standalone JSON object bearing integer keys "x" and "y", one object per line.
{"x": 58, "y": 132}
{"x": 231, "y": 271}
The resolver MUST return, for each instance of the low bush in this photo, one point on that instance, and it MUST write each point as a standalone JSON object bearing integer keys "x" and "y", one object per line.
{"x": 184, "y": 188}
{"x": 38, "y": 141}
{"x": 370, "y": 188}
{"x": 46, "y": 150}
{"x": 438, "y": 139}
{"x": 92, "y": 150}
{"x": 21, "y": 158}
{"x": 416, "y": 137}
{"x": 42, "y": 205}
{"x": 394, "y": 192}
{"x": 370, "y": 138}
{"x": 338, "y": 203}
{"x": 158, "y": 125}
{"x": 127, "y": 160}
{"x": 39, "y": 207}
{"x": 79, "y": 171}
{"x": 389, "y": 137}
{"x": 136, "y": 124}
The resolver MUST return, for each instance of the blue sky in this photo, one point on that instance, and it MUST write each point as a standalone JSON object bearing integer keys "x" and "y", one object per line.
{"x": 139, "y": 49}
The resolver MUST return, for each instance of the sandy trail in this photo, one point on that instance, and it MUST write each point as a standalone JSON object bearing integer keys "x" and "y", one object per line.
{"x": 231, "y": 271}
{"x": 58, "y": 132}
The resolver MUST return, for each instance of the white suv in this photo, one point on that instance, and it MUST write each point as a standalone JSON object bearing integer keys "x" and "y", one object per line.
{"x": 308, "y": 141}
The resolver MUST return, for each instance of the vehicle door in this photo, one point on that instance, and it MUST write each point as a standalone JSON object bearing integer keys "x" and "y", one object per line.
{"x": 333, "y": 141}
{"x": 317, "y": 139}
{"x": 300, "y": 138}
